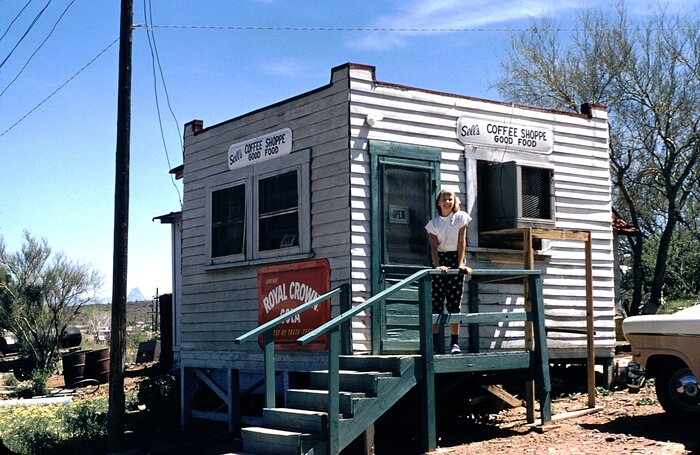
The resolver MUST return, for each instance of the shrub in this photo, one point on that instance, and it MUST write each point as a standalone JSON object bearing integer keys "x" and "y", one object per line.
{"x": 160, "y": 394}
{"x": 85, "y": 419}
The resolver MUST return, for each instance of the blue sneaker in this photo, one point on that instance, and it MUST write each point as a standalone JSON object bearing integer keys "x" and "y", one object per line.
{"x": 455, "y": 349}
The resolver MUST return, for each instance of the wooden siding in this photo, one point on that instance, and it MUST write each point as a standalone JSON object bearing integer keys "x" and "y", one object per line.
{"x": 582, "y": 201}
{"x": 220, "y": 303}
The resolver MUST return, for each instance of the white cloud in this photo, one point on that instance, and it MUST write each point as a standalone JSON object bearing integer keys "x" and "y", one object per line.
{"x": 291, "y": 68}
{"x": 491, "y": 14}
{"x": 454, "y": 14}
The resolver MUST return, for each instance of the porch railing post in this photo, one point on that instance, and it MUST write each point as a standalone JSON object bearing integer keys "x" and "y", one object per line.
{"x": 269, "y": 359}
{"x": 544, "y": 388}
{"x": 346, "y": 327}
{"x": 334, "y": 391}
{"x": 427, "y": 384}
{"x": 473, "y": 307}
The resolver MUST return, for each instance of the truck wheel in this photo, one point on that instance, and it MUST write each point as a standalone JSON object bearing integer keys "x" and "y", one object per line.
{"x": 677, "y": 391}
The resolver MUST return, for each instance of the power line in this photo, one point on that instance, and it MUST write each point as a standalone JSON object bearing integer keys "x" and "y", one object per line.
{"x": 386, "y": 29}
{"x": 60, "y": 86}
{"x": 382, "y": 29}
{"x": 336, "y": 29}
{"x": 38, "y": 48}
{"x": 13, "y": 20}
{"x": 31, "y": 26}
{"x": 155, "y": 60}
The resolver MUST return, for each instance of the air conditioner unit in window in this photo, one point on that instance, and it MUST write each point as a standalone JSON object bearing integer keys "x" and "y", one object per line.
{"x": 511, "y": 195}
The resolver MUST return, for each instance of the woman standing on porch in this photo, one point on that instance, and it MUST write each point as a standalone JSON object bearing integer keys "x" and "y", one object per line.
{"x": 447, "y": 235}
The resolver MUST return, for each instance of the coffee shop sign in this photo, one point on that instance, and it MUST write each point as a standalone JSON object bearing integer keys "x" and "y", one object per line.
{"x": 259, "y": 149}
{"x": 504, "y": 135}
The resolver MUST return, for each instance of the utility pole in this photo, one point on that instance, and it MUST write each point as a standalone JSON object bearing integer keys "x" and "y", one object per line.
{"x": 116, "y": 415}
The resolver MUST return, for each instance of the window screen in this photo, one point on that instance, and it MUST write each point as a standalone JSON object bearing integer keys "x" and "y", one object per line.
{"x": 536, "y": 201}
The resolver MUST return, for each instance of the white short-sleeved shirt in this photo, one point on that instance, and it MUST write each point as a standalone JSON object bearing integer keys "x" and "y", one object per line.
{"x": 446, "y": 229}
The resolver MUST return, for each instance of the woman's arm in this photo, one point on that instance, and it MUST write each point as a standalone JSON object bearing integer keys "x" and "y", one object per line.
{"x": 433, "y": 240}
{"x": 461, "y": 249}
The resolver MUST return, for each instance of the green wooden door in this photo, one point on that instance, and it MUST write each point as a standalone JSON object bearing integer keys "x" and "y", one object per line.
{"x": 405, "y": 179}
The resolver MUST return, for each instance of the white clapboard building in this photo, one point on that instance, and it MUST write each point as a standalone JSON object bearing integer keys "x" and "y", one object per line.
{"x": 339, "y": 183}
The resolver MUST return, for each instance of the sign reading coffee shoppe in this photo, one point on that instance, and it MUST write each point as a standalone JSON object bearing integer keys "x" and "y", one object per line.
{"x": 504, "y": 135}
{"x": 259, "y": 149}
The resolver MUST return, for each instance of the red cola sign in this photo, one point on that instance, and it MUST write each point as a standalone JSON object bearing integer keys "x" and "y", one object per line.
{"x": 282, "y": 288}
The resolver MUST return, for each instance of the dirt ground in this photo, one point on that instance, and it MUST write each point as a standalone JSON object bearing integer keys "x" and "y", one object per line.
{"x": 628, "y": 423}
{"x": 623, "y": 423}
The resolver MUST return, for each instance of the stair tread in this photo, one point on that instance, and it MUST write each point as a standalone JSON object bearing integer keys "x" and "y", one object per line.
{"x": 296, "y": 411}
{"x": 359, "y": 373}
{"x": 325, "y": 392}
{"x": 275, "y": 431}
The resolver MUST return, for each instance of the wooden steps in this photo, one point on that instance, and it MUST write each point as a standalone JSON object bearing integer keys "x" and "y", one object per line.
{"x": 369, "y": 386}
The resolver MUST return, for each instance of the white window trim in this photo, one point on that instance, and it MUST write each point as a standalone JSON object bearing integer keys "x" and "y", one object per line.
{"x": 250, "y": 176}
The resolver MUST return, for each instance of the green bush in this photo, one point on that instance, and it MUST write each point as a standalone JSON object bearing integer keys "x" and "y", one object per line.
{"x": 85, "y": 419}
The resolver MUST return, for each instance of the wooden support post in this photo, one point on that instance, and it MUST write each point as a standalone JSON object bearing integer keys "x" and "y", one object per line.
{"x": 427, "y": 384}
{"x": 234, "y": 402}
{"x": 590, "y": 322}
{"x": 369, "y": 440}
{"x": 528, "y": 264}
{"x": 185, "y": 399}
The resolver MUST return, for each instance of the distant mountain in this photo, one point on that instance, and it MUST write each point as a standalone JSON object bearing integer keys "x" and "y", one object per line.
{"x": 135, "y": 295}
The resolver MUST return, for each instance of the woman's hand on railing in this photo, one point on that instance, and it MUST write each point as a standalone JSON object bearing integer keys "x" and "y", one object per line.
{"x": 465, "y": 269}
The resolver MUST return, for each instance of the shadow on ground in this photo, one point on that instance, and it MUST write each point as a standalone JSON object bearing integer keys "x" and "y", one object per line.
{"x": 660, "y": 427}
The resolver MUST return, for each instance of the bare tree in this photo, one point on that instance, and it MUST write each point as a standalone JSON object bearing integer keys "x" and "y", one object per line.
{"x": 649, "y": 77}
{"x": 40, "y": 294}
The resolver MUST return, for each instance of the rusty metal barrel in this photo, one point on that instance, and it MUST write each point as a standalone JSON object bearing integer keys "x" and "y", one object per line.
{"x": 73, "y": 367}
{"x": 97, "y": 365}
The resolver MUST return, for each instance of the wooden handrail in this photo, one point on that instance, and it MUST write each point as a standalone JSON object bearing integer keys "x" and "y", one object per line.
{"x": 342, "y": 322}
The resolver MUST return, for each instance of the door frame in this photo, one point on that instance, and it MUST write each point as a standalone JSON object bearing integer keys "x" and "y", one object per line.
{"x": 408, "y": 155}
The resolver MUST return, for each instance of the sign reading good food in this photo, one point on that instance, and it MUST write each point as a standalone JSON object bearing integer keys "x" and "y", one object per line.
{"x": 504, "y": 134}
{"x": 281, "y": 288}
{"x": 259, "y": 149}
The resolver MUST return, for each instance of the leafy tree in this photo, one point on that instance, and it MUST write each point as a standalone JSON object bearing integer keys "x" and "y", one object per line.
{"x": 40, "y": 294}
{"x": 649, "y": 77}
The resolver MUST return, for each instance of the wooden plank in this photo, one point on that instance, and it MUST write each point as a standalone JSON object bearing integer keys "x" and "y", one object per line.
{"x": 529, "y": 264}
{"x": 590, "y": 335}
{"x": 483, "y": 362}
{"x": 499, "y": 392}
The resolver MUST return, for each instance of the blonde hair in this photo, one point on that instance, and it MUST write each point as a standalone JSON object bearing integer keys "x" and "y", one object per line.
{"x": 455, "y": 207}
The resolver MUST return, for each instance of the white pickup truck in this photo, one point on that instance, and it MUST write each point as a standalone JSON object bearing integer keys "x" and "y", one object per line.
{"x": 667, "y": 347}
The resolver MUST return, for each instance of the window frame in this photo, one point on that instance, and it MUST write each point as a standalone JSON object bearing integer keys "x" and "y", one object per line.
{"x": 250, "y": 177}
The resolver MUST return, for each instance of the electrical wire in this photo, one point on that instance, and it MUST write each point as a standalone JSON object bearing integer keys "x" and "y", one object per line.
{"x": 31, "y": 26}
{"x": 155, "y": 61}
{"x": 61, "y": 86}
{"x": 38, "y": 48}
{"x": 381, "y": 29}
{"x": 13, "y": 20}
{"x": 338, "y": 29}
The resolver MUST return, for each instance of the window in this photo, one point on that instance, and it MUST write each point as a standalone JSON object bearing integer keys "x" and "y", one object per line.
{"x": 228, "y": 221}
{"x": 278, "y": 222}
{"x": 263, "y": 214}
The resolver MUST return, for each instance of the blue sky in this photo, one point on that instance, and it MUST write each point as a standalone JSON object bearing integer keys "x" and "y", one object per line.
{"x": 57, "y": 162}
